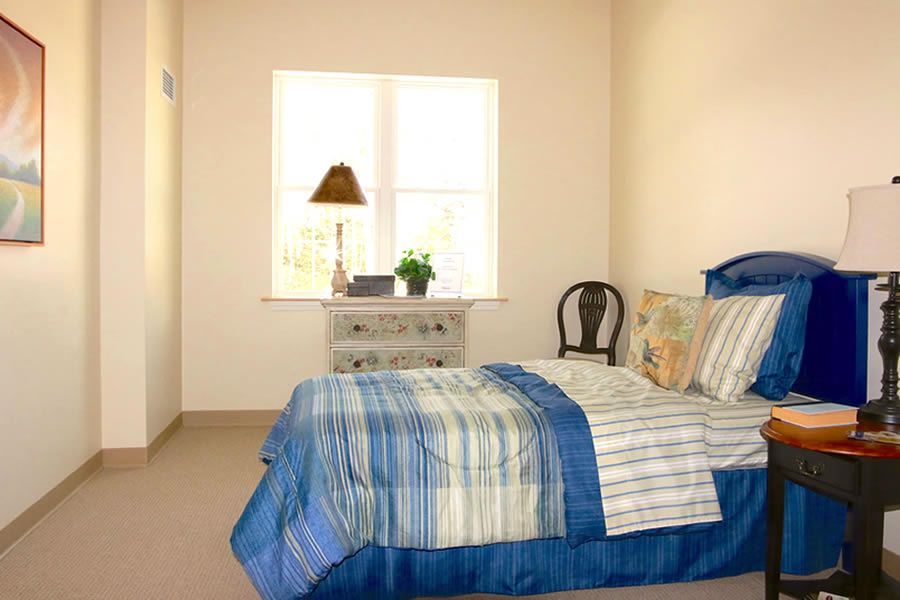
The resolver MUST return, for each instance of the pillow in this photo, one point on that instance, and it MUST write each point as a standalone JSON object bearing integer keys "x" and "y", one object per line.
{"x": 666, "y": 337}
{"x": 781, "y": 363}
{"x": 740, "y": 331}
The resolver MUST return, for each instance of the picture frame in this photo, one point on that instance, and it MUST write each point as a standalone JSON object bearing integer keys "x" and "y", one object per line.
{"x": 22, "y": 77}
{"x": 449, "y": 274}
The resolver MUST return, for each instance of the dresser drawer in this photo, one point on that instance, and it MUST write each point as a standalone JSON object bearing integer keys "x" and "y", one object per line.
{"x": 364, "y": 360}
{"x": 443, "y": 327}
{"x": 830, "y": 469}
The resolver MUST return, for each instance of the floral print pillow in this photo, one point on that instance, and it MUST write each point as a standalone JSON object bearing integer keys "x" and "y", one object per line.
{"x": 666, "y": 337}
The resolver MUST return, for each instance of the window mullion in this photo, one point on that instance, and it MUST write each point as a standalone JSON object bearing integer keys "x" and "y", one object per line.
{"x": 387, "y": 201}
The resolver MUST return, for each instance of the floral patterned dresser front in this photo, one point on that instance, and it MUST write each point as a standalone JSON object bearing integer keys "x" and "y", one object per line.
{"x": 373, "y": 334}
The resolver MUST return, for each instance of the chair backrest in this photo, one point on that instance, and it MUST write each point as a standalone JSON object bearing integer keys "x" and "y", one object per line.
{"x": 593, "y": 302}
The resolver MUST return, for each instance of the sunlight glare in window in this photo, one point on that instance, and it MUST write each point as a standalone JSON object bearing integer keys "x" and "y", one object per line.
{"x": 441, "y": 137}
{"x": 323, "y": 124}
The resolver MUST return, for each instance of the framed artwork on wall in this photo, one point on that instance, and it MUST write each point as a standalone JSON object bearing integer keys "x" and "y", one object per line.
{"x": 21, "y": 136}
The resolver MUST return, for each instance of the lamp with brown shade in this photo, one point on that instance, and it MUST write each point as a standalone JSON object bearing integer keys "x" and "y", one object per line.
{"x": 872, "y": 245}
{"x": 339, "y": 187}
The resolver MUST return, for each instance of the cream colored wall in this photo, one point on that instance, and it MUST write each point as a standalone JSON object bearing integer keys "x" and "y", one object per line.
{"x": 163, "y": 218}
{"x": 552, "y": 63}
{"x": 739, "y": 126}
{"x": 122, "y": 236}
{"x": 140, "y": 233}
{"x": 50, "y": 398}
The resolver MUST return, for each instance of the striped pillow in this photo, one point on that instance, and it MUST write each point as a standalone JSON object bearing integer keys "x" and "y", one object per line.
{"x": 740, "y": 331}
{"x": 781, "y": 364}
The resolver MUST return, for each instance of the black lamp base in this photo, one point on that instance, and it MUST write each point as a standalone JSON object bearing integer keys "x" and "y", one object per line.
{"x": 879, "y": 412}
{"x": 887, "y": 408}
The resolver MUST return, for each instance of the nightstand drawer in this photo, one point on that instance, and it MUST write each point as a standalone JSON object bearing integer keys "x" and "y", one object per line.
{"x": 415, "y": 327}
{"x": 364, "y": 360}
{"x": 830, "y": 469}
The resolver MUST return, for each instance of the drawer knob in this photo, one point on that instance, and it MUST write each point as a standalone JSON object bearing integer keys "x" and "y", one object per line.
{"x": 808, "y": 469}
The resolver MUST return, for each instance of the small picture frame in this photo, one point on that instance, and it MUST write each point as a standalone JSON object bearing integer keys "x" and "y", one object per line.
{"x": 449, "y": 273}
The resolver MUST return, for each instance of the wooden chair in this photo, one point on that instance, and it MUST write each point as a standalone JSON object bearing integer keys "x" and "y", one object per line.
{"x": 592, "y": 304}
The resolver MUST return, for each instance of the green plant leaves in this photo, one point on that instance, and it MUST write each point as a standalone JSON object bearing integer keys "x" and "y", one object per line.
{"x": 414, "y": 265}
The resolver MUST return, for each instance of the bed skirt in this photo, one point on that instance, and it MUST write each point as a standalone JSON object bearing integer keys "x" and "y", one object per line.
{"x": 814, "y": 527}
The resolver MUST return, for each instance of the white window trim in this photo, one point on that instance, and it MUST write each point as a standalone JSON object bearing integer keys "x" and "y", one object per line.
{"x": 385, "y": 251}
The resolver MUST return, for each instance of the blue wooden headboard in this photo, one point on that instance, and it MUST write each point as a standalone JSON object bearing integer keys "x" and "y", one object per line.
{"x": 835, "y": 356}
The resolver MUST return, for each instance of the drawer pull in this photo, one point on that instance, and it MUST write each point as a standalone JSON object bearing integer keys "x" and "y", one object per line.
{"x": 808, "y": 469}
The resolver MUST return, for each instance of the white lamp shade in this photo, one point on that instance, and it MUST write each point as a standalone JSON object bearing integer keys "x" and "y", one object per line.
{"x": 872, "y": 244}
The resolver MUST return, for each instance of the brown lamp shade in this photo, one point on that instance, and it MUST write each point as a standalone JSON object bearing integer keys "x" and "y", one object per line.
{"x": 339, "y": 187}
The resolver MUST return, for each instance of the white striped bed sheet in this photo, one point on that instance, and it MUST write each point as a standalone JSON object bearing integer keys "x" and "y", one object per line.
{"x": 656, "y": 449}
{"x": 733, "y": 440}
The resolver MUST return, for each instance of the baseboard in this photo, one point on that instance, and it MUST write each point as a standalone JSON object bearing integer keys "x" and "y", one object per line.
{"x": 105, "y": 458}
{"x": 890, "y": 564}
{"x": 116, "y": 458}
{"x": 164, "y": 436}
{"x": 230, "y": 418}
{"x": 33, "y": 515}
{"x": 123, "y": 458}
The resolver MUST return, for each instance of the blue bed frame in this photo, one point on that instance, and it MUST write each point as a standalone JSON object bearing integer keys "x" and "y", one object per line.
{"x": 834, "y": 368}
{"x": 835, "y": 356}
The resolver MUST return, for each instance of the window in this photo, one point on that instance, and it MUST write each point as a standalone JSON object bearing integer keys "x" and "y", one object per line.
{"x": 424, "y": 151}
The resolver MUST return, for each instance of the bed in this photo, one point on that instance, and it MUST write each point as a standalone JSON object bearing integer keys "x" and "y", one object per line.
{"x": 447, "y": 482}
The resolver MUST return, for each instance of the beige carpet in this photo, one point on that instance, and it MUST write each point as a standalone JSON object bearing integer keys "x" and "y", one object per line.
{"x": 162, "y": 532}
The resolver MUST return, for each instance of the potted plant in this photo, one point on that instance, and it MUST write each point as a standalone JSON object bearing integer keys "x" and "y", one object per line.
{"x": 415, "y": 269}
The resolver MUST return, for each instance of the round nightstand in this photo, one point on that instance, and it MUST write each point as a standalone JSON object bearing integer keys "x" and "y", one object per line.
{"x": 864, "y": 474}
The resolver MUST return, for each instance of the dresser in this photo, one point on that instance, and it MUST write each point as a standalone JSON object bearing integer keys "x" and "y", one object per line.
{"x": 377, "y": 333}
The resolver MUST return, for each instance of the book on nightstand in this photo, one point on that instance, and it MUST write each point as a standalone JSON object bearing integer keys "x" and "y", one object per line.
{"x": 817, "y": 414}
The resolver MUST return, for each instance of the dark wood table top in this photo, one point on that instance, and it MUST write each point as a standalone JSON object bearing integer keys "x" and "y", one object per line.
{"x": 831, "y": 439}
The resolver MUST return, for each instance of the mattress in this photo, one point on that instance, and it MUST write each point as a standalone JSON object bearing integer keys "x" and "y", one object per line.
{"x": 731, "y": 436}
{"x": 733, "y": 439}
{"x": 396, "y": 466}
{"x": 656, "y": 449}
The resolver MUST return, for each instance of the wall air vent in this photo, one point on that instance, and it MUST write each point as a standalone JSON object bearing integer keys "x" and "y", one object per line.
{"x": 168, "y": 86}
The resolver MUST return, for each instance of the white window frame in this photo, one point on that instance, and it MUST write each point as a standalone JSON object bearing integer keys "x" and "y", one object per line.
{"x": 386, "y": 252}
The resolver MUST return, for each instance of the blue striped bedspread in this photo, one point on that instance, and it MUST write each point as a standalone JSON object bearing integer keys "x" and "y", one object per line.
{"x": 445, "y": 458}
{"x": 420, "y": 459}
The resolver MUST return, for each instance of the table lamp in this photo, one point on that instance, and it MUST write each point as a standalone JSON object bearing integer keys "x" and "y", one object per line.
{"x": 339, "y": 188}
{"x": 872, "y": 245}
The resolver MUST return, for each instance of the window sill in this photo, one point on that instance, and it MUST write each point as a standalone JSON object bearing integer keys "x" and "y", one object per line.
{"x": 314, "y": 303}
